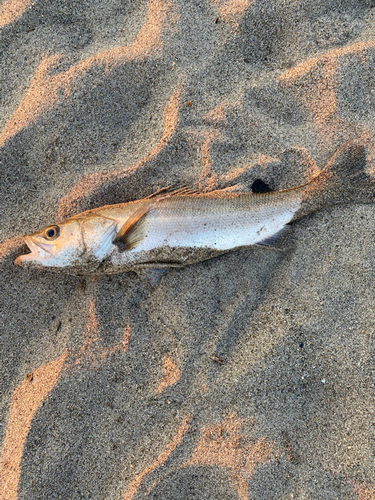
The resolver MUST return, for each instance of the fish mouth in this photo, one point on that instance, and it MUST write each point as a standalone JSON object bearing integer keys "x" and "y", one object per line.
{"x": 38, "y": 252}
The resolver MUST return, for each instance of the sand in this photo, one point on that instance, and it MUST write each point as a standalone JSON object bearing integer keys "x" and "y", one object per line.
{"x": 249, "y": 376}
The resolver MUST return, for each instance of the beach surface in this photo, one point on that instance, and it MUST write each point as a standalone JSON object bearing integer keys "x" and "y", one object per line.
{"x": 246, "y": 377}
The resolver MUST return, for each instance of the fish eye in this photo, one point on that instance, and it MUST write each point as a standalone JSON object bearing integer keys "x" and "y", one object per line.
{"x": 52, "y": 232}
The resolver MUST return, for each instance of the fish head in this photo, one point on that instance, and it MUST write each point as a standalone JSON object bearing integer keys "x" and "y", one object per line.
{"x": 54, "y": 246}
{"x": 78, "y": 243}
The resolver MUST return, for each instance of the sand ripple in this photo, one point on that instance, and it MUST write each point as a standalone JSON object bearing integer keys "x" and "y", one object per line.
{"x": 248, "y": 376}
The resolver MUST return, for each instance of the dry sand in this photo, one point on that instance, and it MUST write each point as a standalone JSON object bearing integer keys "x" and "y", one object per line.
{"x": 250, "y": 376}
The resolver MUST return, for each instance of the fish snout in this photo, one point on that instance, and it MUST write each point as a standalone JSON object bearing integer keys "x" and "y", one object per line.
{"x": 38, "y": 252}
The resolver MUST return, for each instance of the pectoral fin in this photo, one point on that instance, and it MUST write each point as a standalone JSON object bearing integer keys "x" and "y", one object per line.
{"x": 134, "y": 230}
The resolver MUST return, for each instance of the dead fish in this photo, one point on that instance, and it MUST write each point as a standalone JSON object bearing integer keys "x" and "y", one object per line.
{"x": 173, "y": 229}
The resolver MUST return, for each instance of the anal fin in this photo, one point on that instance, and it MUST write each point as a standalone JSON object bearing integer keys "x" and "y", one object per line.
{"x": 268, "y": 242}
{"x": 152, "y": 275}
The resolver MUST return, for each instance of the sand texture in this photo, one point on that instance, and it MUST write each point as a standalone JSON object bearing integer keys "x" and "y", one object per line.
{"x": 246, "y": 377}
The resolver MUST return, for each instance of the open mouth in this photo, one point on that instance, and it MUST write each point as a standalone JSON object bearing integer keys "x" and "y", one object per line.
{"x": 38, "y": 251}
{"x": 33, "y": 244}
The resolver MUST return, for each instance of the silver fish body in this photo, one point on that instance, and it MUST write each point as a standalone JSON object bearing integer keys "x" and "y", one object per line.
{"x": 176, "y": 229}
{"x": 187, "y": 229}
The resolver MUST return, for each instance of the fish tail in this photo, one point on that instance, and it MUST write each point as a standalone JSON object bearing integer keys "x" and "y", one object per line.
{"x": 344, "y": 180}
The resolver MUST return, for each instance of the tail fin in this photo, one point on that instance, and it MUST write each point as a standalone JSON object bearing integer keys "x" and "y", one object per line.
{"x": 343, "y": 180}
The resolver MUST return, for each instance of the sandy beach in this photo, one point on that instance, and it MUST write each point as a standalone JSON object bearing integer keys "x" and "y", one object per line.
{"x": 246, "y": 377}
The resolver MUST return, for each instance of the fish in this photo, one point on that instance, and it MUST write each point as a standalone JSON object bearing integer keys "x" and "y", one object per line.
{"x": 171, "y": 229}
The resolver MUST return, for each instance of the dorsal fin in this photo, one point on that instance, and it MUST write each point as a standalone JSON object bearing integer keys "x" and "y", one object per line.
{"x": 228, "y": 192}
{"x": 158, "y": 192}
{"x": 259, "y": 186}
{"x": 168, "y": 191}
